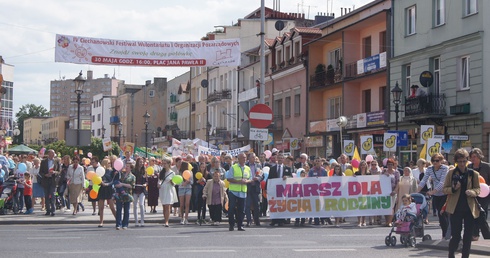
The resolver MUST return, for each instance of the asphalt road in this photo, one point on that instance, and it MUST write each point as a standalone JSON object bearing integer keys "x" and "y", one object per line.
{"x": 202, "y": 241}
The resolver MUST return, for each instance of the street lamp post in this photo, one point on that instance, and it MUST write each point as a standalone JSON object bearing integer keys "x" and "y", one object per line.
{"x": 153, "y": 135}
{"x": 103, "y": 132}
{"x": 397, "y": 93}
{"x": 79, "y": 82}
{"x": 120, "y": 131}
{"x": 146, "y": 116}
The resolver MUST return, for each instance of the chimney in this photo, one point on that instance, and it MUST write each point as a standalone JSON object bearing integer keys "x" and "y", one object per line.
{"x": 90, "y": 75}
{"x": 341, "y": 11}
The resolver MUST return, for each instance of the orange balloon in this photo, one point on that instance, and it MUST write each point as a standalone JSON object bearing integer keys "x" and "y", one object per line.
{"x": 93, "y": 194}
{"x": 90, "y": 174}
{"x": 186, "y": 175}
{"x": 330, "y": 173}
{"x": 482, "y": 180}
{"x": 87, "y": 162}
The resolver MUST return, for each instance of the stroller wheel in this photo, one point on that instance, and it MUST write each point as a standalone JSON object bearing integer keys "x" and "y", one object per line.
{"x": 393, "y": 240}
{"x": 387, "y": 240}
{"x": 412, "y": 241}
{"x": 426, "y": 237}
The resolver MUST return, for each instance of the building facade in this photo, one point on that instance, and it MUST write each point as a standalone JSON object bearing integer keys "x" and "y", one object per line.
{"x": 446, "y": 38}
{"x": 7, "y": 98}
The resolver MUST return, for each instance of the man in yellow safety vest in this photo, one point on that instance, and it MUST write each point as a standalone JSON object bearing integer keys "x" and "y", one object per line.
{"x": 239, "y": 176}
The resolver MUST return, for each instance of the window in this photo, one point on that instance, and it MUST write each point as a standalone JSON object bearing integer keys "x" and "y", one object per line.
{"x": 366, "y": 44}
{"x": 465, "y": 73}
{"x": 437, "y": 75}
{"x": 410, "y": 20}
{"x": 439, "y": 15}
{"x": 93, "y": 118}
{"x": 297, "y": 49}
{"x": 98, "y": 117}
{"x": 288, "y": 53}
{"x": 407, "y": 73}
{"x": 278, "y": 57}
{"x": 334, "y": 58}
{"x": 470, "y": 7}
{"x": 297, "y": 104}
{"x": 287, "y": 107}
{"x": 151, "y": 93}
{"x": 278, "y": 107}
{"x": 382, "y": 41}
{"x": 366, "y": 96}
{"x": 199, "y": 93}
{"x": 335, "y": 107}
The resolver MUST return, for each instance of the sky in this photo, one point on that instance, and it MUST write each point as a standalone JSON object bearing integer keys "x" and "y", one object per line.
{"x": 28, "y": 29}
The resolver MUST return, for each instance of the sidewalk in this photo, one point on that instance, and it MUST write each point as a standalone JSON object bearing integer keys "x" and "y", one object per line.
{"x": 480, "y": 247}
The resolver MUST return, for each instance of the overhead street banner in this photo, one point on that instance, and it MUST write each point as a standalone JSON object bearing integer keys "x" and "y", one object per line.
{"x": 213, "y": 152}
{"x": 321, "y": 197}
{"x": 84, "y": 50}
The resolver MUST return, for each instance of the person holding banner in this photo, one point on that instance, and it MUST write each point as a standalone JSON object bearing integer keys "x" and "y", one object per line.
{"x": 318, "y": 171}
{"x": 363, "y": 171}
{"x": 394, "y": 176}
{"x": 280, "y": 171}
{"x": 437, "y": 172}
{"x": 239, "y": 176}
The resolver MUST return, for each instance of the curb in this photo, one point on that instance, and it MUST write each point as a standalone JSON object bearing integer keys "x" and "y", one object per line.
{"x": 444, "y": 244}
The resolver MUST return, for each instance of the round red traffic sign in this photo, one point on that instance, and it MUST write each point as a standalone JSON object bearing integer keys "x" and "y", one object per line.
{"x": 260, "y": 116}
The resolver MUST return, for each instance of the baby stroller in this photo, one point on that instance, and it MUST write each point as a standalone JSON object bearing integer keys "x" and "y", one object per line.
{"x": 413, "y": 226}
{"x": 7, "y": 192}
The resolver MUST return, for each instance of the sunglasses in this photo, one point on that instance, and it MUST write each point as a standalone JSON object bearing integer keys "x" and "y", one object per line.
{"x": 436, "y": 160}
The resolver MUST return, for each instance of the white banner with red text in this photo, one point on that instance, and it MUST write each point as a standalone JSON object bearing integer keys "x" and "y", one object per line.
{"x": 85, "y": 50}
{"x": 320, "y": 197}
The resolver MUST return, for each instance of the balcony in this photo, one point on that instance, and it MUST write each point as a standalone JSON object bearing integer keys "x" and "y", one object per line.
{"x": 325, "y": 78}
{"x": 277, "y": 123}
{"x": 219, "y": 95}
{"x": 365, "y": 66}
{"x": 431, "y": 105}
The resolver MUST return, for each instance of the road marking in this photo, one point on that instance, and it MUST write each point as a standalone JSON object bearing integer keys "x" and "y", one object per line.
{"x": 354, "y": 235}
{"x": 323, "y": 250}
{"x": 161, "y": 236}
{"x": 51, "y": 238}
{"x": 81, "y": 252}
{"x": 257, "y": 235}
{"x": 205, "y": 251}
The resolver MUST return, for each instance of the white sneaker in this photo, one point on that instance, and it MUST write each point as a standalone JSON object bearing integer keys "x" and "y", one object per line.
{"x": 216, "y": 223}
{"x": 67, "y": 210}
{"x": 125, "y": 228}
{"x": 186, "y": 222}
{"x": 182, "y": 222}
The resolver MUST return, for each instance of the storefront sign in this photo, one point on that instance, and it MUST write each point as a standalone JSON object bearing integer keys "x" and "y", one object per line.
{"x": 318, "y": 126}
{"x": 314, "y": 141}
{"x": 459, "y": 137}
{"x": 375, "y": 118}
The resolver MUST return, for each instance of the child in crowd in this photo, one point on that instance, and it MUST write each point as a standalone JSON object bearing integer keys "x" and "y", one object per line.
{"x": 407, "y": 211}
{"x": 28, "y": 193}
{"x": 19, "y": 194}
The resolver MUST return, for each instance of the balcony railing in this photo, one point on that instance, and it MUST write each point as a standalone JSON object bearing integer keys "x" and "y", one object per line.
{"x": 219, "y": 95}
{"x": 326, "y": 78}
{"x": 425, "y": 105}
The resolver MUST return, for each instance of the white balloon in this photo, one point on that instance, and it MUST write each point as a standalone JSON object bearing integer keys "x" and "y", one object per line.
{"x": 100, "y": 171}
{"x": 265, "y": 170}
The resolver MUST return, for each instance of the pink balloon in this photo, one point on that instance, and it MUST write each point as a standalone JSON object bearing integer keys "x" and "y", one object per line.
{"x": 385, "y": 161}
{"x": 484, "y": 190}
{"x": 89, "y": 154}
{"x": 268, "y": 154}
{"x": 355, "y": 163}
{"x": 118, "y": 164}
{"x": 369, "y": 158}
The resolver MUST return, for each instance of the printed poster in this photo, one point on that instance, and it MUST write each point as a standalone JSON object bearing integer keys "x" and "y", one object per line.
{"x": 389, "y": 142}
{"x": 426, "y": 132}
{"x": 367, "y": 145}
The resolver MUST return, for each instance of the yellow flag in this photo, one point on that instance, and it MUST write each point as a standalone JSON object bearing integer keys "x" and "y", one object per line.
{"x": 356, "y": 157}
{"x": 423, "y": 153}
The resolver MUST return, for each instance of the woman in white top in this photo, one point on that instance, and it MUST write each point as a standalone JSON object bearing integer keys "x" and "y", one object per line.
{"x": 76, "y": 180}
{"x": 37, "y": 189}
{"x": 167, "y": 193}
{"x": 420, "y": 170}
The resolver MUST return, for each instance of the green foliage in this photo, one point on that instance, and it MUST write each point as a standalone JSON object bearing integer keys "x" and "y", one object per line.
{"x": 95, "y": 148}
{"x": 25, "y": 112}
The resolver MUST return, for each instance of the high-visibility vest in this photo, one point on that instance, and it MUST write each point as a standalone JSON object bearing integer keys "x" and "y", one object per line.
{"x": 238, "y": 175}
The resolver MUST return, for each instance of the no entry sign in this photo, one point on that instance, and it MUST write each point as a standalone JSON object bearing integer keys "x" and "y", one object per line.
{"x": 260, "y": 116}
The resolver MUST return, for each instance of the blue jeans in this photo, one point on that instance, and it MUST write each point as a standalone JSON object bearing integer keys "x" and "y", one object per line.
{"x": 125, "y": 218}
{"x": 61, "y": 190}
{"x": 19, "y": 199}
{"x": 239, "y": 204}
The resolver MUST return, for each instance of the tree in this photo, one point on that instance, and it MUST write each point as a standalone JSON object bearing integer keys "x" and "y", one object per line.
{"x": 28, "y": 111}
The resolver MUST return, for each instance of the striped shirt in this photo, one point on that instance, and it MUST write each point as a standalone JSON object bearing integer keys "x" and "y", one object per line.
{"x": 437, "y": 177}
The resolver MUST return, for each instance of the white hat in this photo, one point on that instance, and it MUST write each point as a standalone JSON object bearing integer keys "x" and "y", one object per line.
{"x": 275, "y": 150}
